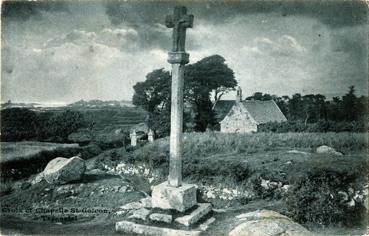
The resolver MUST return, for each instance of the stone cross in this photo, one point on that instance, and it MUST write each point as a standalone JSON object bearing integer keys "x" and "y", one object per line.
{"x": 133, "y": 138}
{"x": 179, "y": 21}
{"x": 150, "y": 136}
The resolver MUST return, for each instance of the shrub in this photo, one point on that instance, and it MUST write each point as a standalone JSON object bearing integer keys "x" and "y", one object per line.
{"x": 18, "y": 124}
{"x": 319, "y": 126}
{"x": 315, "y": 198}
{"x": 60, "y": 125}
{"x": 5, "y": 187}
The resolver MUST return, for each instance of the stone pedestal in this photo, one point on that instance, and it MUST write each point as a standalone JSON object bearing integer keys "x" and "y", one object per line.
{"x": 176, "y": 198}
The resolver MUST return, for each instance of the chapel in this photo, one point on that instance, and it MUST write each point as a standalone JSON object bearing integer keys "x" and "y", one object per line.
{"x": 244, "y": 116}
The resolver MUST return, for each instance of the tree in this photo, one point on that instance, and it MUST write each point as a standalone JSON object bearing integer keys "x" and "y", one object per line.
{"x": 60, "y": 125}
{"x": 295, "y": 107}
{"x": 350, "y": 105}
{"x": 209, "y": 77}
{"x": 154, "y": 93}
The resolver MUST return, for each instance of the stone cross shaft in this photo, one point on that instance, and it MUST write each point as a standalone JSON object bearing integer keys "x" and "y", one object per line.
{"x": 179, "y": 21}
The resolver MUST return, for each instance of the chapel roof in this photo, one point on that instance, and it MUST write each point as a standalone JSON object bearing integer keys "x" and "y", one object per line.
{"x": 261, "y": 111}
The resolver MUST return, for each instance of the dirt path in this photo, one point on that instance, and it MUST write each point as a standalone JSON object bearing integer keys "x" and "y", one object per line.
{"x": 83, "y": 208}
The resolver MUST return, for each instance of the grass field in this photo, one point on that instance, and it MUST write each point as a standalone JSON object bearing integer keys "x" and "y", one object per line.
{"x": 114, "y": 118}
{"x": 274, "y": 171}
{"x": 234, "y": 169}
{"x": 13, "y": 151}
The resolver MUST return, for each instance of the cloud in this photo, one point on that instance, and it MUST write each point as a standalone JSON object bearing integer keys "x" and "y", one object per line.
{"x": 125, "y": 39}
{"x": 284, "y": 46}
{"x": 79, "y": 65}
{"x": 21, "y": 10}
{"x": 331, "y": 13}
{"x": 100, "y": 50}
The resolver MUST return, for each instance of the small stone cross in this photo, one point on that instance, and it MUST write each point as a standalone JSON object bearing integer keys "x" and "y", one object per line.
{"x": 150, "y": 136}
{"x": 179, "y": 21}
{"x": 133, "y": 136}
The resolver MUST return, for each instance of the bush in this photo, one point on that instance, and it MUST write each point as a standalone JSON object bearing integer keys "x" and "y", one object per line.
{"x": 315, "y": 197}
{"x": 18, "y": 124}
{"x": 60, "y": 125}
{"x": 5, "y": 187}
{"x": 319, "y": 126}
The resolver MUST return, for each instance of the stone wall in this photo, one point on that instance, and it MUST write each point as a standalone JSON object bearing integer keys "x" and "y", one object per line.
{"x": 238, "y": 121}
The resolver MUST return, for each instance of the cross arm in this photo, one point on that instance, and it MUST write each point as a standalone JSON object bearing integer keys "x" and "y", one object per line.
{"x": 187, "y": 21}
{"x": 169, "y": 21}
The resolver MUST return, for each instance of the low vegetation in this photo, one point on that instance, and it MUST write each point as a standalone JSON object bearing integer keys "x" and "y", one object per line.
{"x": 260, "y": 166}
{"x": 55, "y": 125}
{"x": 238, "y": 169}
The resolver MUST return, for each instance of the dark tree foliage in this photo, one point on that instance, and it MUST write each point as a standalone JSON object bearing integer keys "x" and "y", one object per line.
{"x": 313, "y": 113}
{"x": 60, "y": 125}
{"x": 18, "y": 124}
{"x": 153, "y": 95}
{"x": 203, "y": 79}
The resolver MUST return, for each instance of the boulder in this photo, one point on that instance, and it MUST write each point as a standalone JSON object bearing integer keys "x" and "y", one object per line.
{"x": 63, "y": 170}
{"x": 324, "y": 149}
{"x": 37, "y": 178}
{"x": 267, "y": 223}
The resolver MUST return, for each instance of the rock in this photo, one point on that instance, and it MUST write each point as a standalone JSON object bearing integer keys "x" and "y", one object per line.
{"x": 351, "y": 203}
{"x": 285, "y": 188}
{"x": 161, "y": 217}
{"x": 343, "y": 195}
{"x": 119, "y": 213}
{"x": 204, "y": 226}
{"x": 62, "y": 170}
{"x": 267, "y": 223}
{"x": 96, "y": 172}
{"x": 146, "y": 202}
{"x": 141, "y": 214}
{"x": 116, "y": 188}
{"x": 132, "y": 206}
{"x": 261, "y": 215}
{"x": 358, "y": 197}
{"x": 297, "y": 152}
{"x": 123, "y": 189}
{"x": 196, "y": 215}
{"x": 324, "y": 149}
{"x": 38, "y": 178}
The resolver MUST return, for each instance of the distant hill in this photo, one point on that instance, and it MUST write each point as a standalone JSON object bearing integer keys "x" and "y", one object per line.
{"x": 9, "y": 104}
{"x": 99, "y": 104}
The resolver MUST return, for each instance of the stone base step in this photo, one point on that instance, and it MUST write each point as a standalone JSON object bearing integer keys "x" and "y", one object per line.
{"x": 127, "y": 227}
{"x": 202, "y": 210}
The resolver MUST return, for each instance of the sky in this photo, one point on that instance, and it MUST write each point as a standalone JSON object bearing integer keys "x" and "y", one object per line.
{"x": 68, "y": 51}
